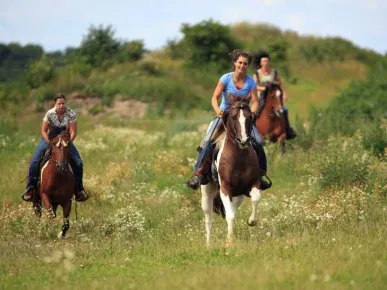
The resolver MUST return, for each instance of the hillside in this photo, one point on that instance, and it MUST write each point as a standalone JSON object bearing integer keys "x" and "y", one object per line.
{"x": 314, "y": 71}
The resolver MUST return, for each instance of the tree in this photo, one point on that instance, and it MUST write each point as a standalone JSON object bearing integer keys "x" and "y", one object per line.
{"x": 40, "y": 72}
{"x": 99, "y": 45}
{"x": 208, "y": 41}
{"x": 131, "y": 51}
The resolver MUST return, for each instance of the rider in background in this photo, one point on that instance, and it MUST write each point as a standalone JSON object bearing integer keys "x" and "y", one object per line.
{"x": 54, "y": 122}
{"x": 263, "y": 75}
{"x": 237, "y": 83}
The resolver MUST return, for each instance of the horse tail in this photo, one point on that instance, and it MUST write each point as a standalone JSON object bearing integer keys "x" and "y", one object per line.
{"x": 218, "y": 206}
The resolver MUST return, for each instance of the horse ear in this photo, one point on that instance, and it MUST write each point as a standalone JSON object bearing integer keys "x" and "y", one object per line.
{"x": 232, "y": 98}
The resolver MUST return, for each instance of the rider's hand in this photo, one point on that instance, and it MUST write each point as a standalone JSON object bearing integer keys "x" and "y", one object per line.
{"x": 220, "y": 113}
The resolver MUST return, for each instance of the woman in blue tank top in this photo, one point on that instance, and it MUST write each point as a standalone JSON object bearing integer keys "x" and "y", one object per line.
{"x": 237, "y": 83}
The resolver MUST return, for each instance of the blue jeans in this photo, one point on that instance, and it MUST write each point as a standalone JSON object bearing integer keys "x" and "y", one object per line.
{"x": 207, "y": 144}
{"x": 42, "y": 147}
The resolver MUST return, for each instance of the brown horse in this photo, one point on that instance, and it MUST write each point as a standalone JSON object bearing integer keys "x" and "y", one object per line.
{"x": 57, "y": 182}
{"x": 237, "y": 167}
{"x": 271, "y": 123}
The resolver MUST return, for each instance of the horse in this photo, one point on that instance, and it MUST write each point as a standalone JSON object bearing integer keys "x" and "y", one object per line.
{"x": 271, "y": 122}
{"x": 57, "y": 182}
{"x": 237, "y": 170}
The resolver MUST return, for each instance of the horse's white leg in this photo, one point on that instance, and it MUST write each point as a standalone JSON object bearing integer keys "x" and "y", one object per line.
{"x": 255, "y": 196}
{"x": 230, "y": 215}
{"x": 208, "y": 193}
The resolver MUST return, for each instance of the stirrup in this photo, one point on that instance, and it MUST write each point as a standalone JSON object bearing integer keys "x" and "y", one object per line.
{"x": 30, "y": 189}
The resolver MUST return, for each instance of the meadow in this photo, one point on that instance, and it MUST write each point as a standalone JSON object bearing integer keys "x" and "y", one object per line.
{"x": 321, "y": 226}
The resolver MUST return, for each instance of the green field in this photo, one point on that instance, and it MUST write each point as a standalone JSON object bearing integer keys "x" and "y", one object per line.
{"x": 143, "y": 229}
{"x": 323, "y": 224}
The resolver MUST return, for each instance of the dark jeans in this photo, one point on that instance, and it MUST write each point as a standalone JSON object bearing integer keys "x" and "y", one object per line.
{"x": 42, "y": 147}
{"x": 207, "y": 145}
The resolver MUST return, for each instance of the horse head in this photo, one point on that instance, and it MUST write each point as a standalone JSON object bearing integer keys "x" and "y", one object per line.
{"x": 60, "y": 151}
{"x": 274, "y": 98}
{"x": 239, "y": 120}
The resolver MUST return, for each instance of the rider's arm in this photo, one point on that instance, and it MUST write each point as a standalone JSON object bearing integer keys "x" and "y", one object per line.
{"x": 45, "y": 131}
{"x": 73, "y": 131}
{"x": 215, "y": 96}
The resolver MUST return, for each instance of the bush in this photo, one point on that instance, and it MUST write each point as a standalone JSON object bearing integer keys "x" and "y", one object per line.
{"x": 40, "y": 72}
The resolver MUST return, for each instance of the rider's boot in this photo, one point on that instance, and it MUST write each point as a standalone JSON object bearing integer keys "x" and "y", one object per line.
{"x": 290, "y": 132}
{"x": 262, "y": 165}
{"x": 28, "y": 193}
{"x": 199, "y": 177}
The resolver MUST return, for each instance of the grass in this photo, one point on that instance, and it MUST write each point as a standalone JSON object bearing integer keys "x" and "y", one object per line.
{"x": 143, "y": 229}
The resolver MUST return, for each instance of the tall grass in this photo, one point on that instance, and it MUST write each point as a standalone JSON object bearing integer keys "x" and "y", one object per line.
{"x": 143, "y": 228}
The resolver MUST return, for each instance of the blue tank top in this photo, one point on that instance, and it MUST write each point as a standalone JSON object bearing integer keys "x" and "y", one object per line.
{"x": 229, "y": 87}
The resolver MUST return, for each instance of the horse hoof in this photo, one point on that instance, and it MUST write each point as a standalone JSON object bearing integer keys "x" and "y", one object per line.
{"x": 252, "y": 223}
{"x": 61, "y": 235}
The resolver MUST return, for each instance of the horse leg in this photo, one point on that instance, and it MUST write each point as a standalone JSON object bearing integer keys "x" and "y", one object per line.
{"x": 208, "y": 192}
{"x": 230, "y": 216}
{"x": 47, "y": 205}
{"x": 66, "y": 221}
{"x": 255, "y": 196}
{"x": 283, "y": 147}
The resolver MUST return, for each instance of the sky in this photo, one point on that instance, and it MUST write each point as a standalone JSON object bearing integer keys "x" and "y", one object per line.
{"x": 56, "y": 24}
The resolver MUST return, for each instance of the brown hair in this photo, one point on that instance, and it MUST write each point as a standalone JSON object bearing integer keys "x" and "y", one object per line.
{"x": 236, "y": 53}
{"x": 59, "y": 96}
{"x": 258, "y": 56}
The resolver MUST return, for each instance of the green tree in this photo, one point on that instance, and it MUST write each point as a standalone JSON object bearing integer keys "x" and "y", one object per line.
{"x": 131, "y": 51}
{"x": 208, "y": 42}
{"x": 99, "y": 45}
{"x": 40, "y": 72}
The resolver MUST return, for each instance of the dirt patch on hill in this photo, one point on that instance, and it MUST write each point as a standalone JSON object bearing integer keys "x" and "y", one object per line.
{"x": 91, "y": 105}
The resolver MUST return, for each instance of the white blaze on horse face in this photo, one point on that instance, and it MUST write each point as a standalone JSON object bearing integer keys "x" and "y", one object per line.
{"x": 278, "y": 93}
{"x": 242, "y": 122}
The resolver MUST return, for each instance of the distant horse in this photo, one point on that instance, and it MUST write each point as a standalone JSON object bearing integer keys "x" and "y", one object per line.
{"x": 57, "y": 182}
{"x": 237, "y": 167}
{"x": 271, "y": 123}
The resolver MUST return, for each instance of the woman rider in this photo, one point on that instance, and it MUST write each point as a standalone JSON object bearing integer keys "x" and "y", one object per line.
{"x": 54, "y": 122}
{"x": 237, "y": 83}
{"x": 262, "y": 76}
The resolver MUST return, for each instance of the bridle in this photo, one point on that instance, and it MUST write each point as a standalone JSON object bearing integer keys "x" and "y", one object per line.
{"x": 238, "y": 139}
{"x": 61, "y": 166}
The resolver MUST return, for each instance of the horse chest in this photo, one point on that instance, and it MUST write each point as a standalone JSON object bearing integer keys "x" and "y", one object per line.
{"x": 240, "y": 173}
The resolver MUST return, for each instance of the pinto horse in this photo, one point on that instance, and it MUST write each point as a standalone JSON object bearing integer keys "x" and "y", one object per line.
{"x": 237, "y": 167}
{"x": 57, "y": 182}
{"x": 271, "y": 122}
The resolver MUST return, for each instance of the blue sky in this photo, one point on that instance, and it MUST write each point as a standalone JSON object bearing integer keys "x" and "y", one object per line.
{"x": 56, "y": 24}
